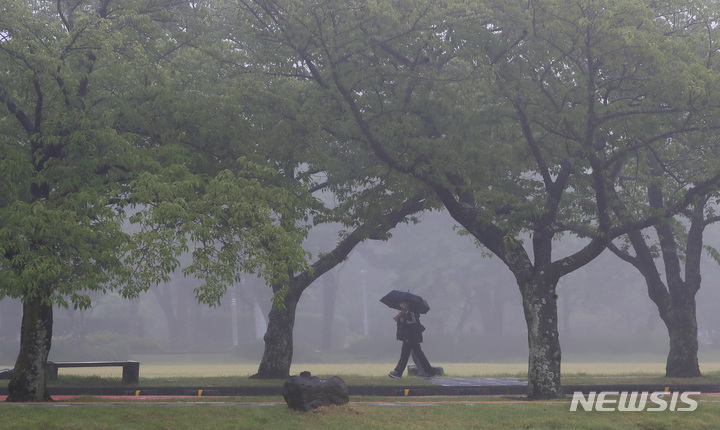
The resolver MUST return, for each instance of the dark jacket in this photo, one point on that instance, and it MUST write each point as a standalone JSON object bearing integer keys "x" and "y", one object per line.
{"x": 409, "y": 328}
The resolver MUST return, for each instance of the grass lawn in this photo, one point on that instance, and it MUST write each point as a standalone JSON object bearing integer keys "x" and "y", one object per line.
{"x": 224, "y": 369}
{"x": 462, "y": 412}
{"x": 443, "y": 413}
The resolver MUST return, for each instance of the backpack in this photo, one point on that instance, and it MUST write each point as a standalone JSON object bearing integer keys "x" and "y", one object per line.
{"x": 410, "y": 328}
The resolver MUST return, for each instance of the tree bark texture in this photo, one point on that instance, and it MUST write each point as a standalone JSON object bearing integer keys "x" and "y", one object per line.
{"x": 28, "y": 382}
{"x": 678, "y": 308}
{"x": 277, "y": 356}
{"x": 682, "y": 360}
{"x": 540, "y": 308}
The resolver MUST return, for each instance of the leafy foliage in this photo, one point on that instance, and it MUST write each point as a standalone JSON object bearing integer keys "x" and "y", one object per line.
{"x": 59, "y": 224}
{"x": 233, "y": 223}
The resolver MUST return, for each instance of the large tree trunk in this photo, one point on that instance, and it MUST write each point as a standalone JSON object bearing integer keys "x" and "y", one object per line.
{"x": 682, "y": 360}
{"x": 537, "y": 283}
{"x": 277, "y": 356}
{"x": 676, "y": 300}
{"x": 28, "y": 382}
{"x": 677, "y": 310}
{"x": 681, "y": 318}
{"x": 540, "y": 307}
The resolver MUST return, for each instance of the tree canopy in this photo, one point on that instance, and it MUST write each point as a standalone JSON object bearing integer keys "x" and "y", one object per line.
{"x": 519, "y": 117}
{"x": 98, "y": 116}
{"x": 228, "y": 128}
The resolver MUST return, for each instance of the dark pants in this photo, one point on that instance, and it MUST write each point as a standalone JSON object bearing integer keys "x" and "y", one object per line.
{"x": 414, "y": 347}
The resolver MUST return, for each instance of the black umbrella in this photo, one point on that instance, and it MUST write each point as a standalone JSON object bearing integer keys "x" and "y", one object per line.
{"x": 415, "y": 302}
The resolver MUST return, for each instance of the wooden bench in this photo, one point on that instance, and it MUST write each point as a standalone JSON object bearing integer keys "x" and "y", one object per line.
{"x": 131, "y": 369}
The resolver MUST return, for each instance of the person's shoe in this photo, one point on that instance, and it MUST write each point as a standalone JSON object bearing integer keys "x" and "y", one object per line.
{"x": 394, "y": 375}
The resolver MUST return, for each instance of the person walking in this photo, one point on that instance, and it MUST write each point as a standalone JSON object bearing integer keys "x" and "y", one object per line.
{"x": 409, "y": 331}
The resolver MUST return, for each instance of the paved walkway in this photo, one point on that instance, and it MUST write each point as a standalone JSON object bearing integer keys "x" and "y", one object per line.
{"x": 440, "y": 386}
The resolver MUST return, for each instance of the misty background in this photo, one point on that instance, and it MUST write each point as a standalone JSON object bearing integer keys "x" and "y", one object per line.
{"x": 476, "y": 310}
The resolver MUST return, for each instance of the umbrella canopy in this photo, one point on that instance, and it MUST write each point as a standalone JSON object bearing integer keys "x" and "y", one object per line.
{"x": 415, "y": 302}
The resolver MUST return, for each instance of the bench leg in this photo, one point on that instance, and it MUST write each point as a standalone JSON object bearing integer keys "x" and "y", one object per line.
{"x": 131, "y": 373}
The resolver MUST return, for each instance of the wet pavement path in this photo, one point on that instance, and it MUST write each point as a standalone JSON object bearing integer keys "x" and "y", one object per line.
{"x": 440, "y": 386}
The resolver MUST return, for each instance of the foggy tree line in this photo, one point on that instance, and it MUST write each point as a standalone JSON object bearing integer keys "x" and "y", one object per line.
{"x": 476, "y": 314}
{"x": 136, "y": 132}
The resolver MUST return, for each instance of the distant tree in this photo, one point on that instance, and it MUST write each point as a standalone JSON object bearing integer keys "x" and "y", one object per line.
{"x": 674, "y": 293}
{"x": 680, "y": 153}
{"x": 670, "y": 259}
